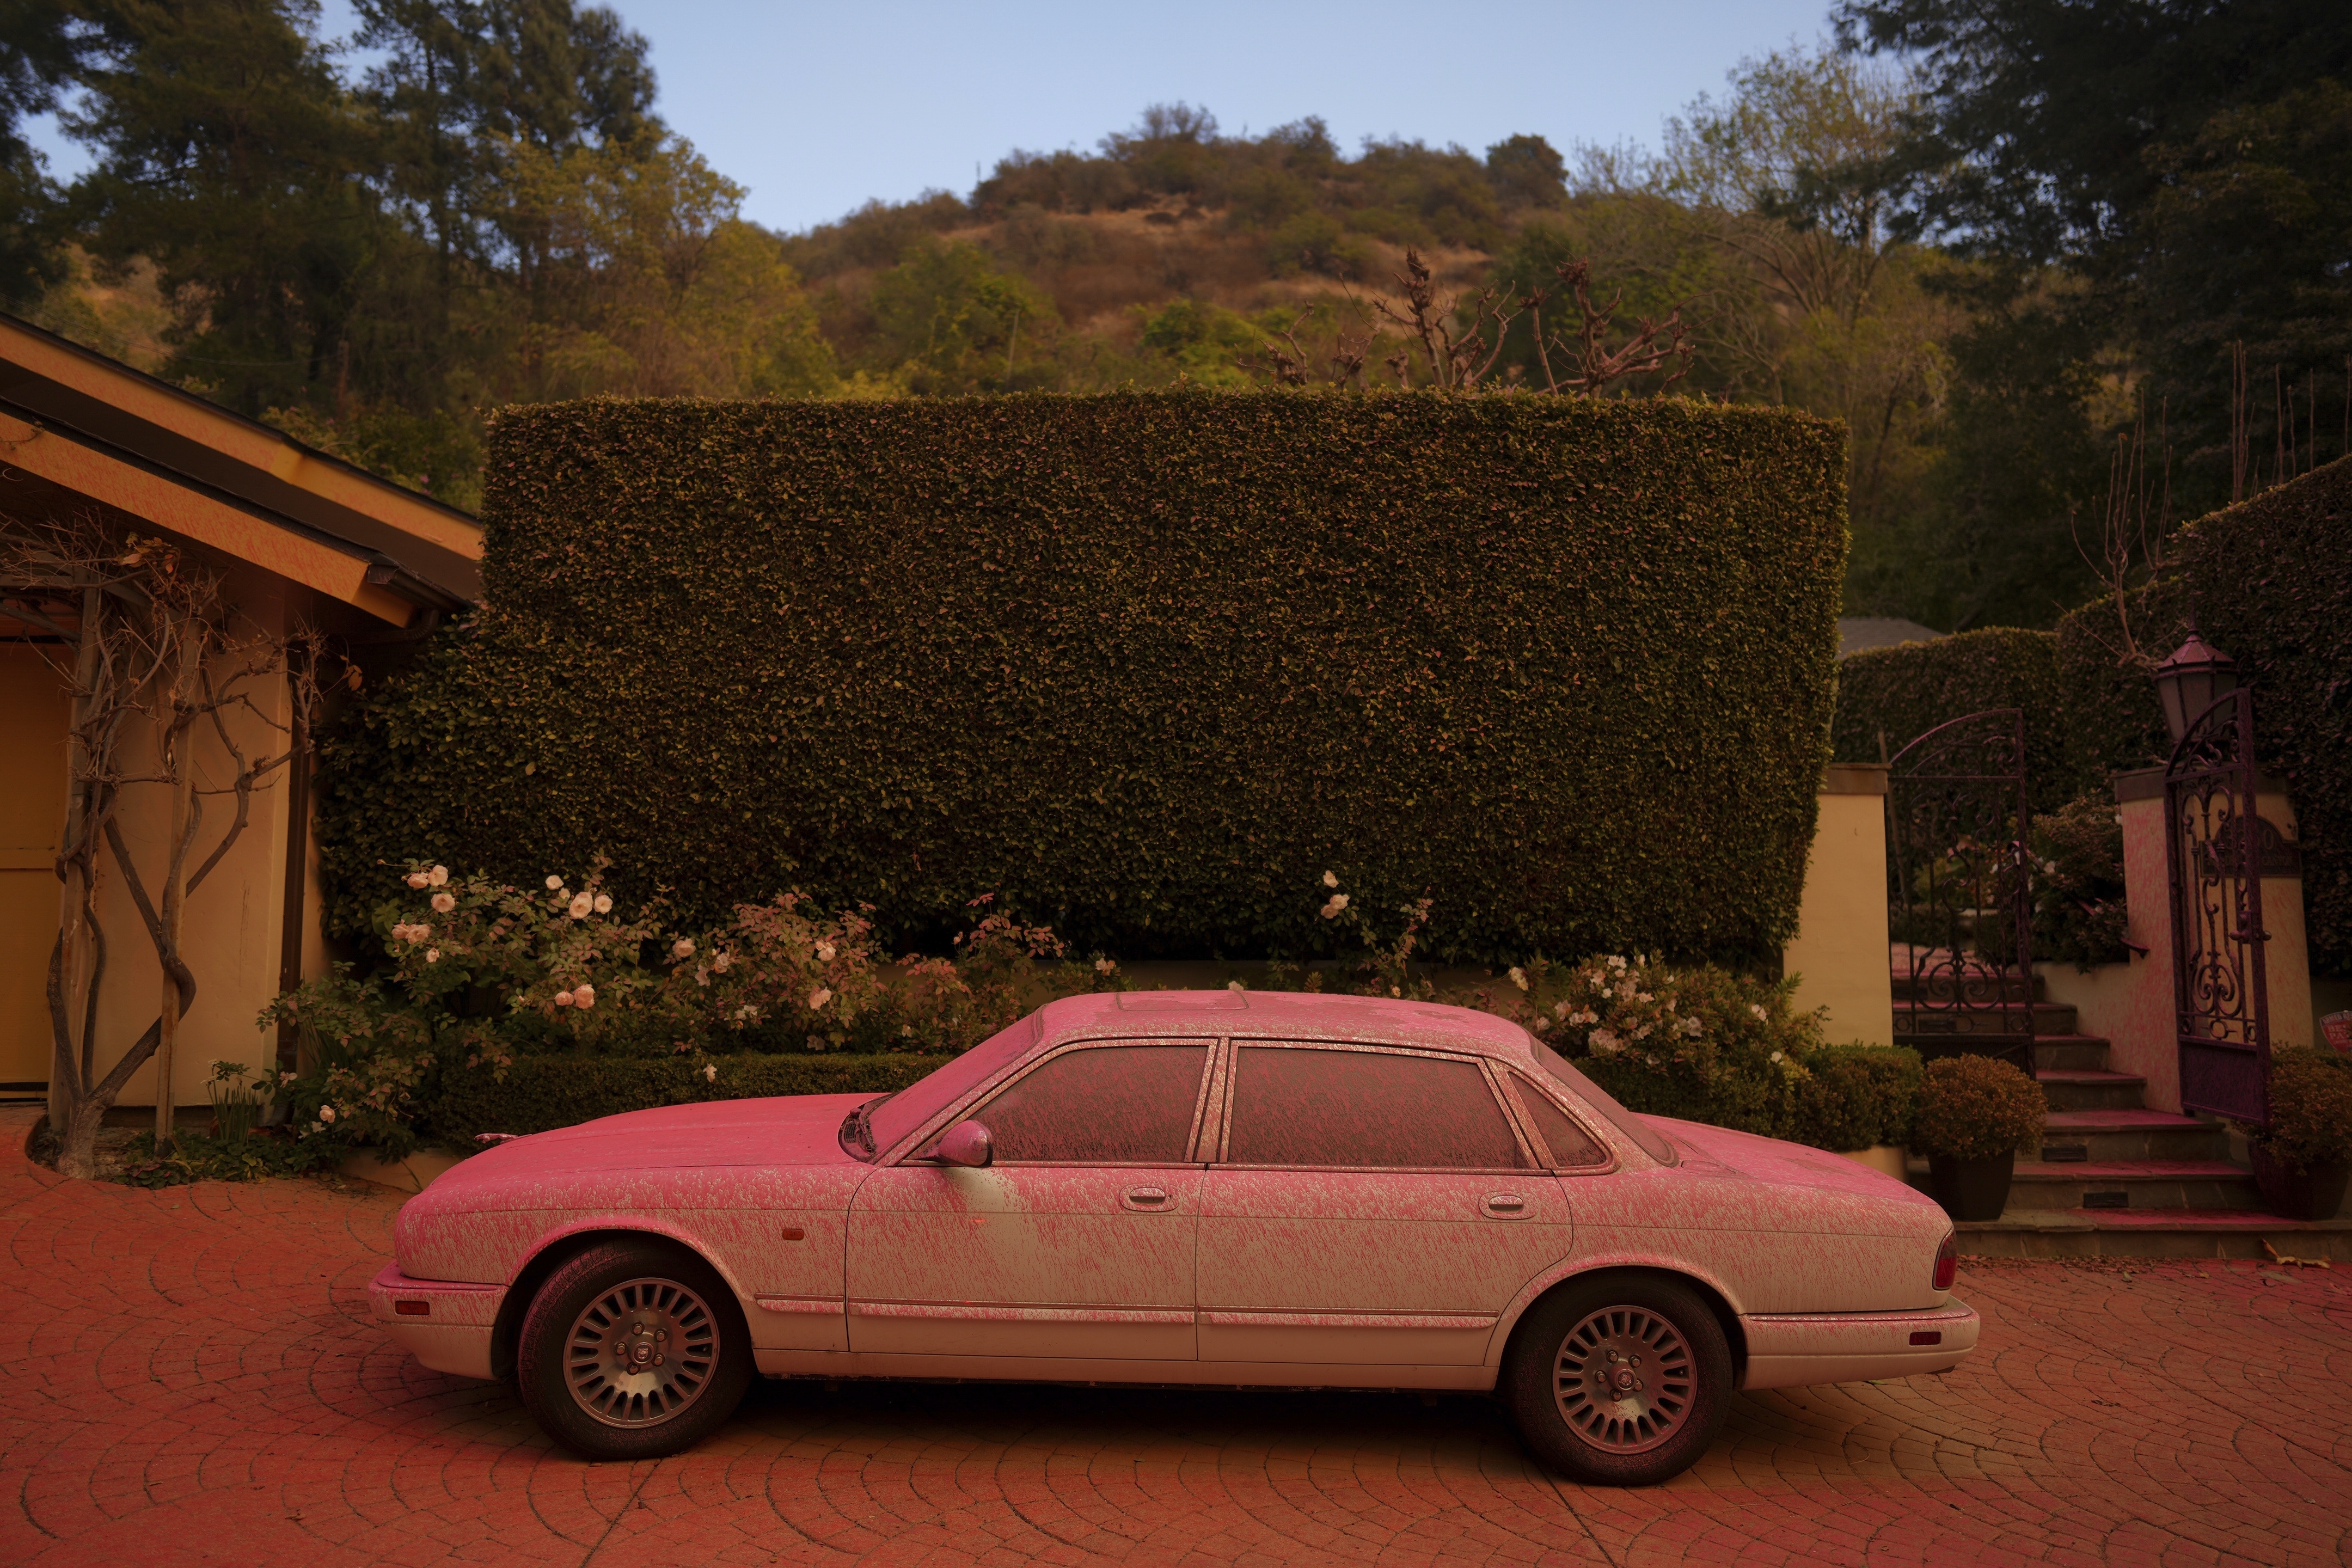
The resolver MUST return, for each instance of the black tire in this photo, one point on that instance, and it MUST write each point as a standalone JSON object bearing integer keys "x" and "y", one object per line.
{"x": 632, "y": 1350}
{"x": 1652, "y": 1345}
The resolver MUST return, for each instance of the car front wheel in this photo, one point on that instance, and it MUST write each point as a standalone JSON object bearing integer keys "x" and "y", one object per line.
{"x": 631, "y": 1351}
{"x": 1622, "y": 1380}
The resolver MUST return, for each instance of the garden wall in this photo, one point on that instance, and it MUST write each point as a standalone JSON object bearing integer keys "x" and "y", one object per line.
{"x": 1147, "y": 664}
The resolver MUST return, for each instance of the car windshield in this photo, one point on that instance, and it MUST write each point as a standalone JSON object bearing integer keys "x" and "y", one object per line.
{"x": 892, "y": 1117}
{"x": 1653, "y": 1142}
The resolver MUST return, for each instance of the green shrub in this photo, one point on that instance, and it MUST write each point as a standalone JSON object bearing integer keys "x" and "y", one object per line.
{"x": 1858, "y": 1096}
{"x": 1139, "y": 663}
{"x": 1977, "y": 1107}
{"x": 2311, "y": 1108}
{"x": 535, "y": 1094}
{"x": 1889, "y": 697}
{"x": 2079, "y": 913}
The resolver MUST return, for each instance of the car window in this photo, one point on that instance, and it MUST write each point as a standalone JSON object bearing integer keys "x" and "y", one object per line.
{"x": 1357, "y": 1109}
{"x": 897, "y": 1115}
{"x": 1571, "y": 1145}
{"x": 1104, "y": 1105}
{"x": 1652, "y": 1141}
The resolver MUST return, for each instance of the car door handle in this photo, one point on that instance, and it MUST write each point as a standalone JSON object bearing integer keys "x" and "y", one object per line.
{"x": 1150, "y": 1200}
{"x": 1506, "y": 1206}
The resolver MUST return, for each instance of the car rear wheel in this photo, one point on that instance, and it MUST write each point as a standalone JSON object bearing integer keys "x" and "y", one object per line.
{"x": 631, "y": 1351}
{"x": 1619, "y": 1381}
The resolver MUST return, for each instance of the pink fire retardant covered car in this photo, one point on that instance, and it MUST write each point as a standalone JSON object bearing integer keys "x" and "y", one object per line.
{"x": 1220, "y": 1188}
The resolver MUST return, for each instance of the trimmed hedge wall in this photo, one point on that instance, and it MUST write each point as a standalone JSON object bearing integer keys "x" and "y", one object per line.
{"x": 540, "y": 1093}
{"x": 1145, "y": 664}
{"x": 1902, "y": 692}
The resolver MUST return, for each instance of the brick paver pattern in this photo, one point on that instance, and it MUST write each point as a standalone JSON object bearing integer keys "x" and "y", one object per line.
{"x": 190, "y": 1378}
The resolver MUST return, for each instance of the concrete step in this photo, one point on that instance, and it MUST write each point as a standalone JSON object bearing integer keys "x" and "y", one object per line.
{"x": 2071, "y": 1088}
{"x": 2203, "y": 1184}
{"x": 2064, "y": 1052}
{"x": 2132, "y": 1134}
{"x": 2153, "y": 1233}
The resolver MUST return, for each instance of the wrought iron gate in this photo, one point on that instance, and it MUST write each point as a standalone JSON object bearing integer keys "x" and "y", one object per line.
{"x": 1958, "y": 905}
{"x": 2213, "y": 850}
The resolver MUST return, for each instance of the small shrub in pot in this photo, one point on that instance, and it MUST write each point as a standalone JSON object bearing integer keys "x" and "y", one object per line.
{"x": 2303, "y": 1158}
{"x": 1975, "y": 1113}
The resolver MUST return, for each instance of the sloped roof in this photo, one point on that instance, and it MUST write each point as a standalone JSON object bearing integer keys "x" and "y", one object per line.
{"x": 77, "y": 429}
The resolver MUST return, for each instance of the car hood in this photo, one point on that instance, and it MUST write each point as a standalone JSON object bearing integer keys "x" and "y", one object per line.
{"x": 792, "y": 1130}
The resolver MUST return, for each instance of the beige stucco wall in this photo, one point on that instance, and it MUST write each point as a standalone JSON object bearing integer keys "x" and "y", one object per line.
{"x": 1839, "y": 951}
{"x": 34, "y": 713}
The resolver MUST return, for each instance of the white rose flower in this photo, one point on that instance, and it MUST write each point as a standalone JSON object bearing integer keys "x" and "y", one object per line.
{"x": 581, "y": 906}
{"x": 824, "y": 952}
{"x": 1692, "y": 1027}
{"x": 819, "y": 998}
{"x": 1518, "y": 977}
{"x": 584, "y": 996}
{"x": 1605, "y": 1042}
{"x": 1103, "y": 966}
{"x": 554, "y": 883}
{"x": 438, "y": 875}
{"x": 1329, "y": 881}
{"x": 432, "y": 955}
{"x": 603, "y": 903}
{"x": 682, "y": 948}
{"x": 1776, "y": 1055}
{"x": 1762, "y": 1015}
{"x": 444, "y": 902}
{"x": 418, "y": 880}
{"x": 327, "y": 1113}
{"x": 720, "y": 964}
{"x": 564, "y": 998}
{"x": 1235, "y": 986}
{"x": 1560, "y": 1012}
{"x": 710, "y": 1073}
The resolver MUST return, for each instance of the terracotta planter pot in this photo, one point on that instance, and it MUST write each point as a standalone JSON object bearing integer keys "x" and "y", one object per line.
{"x": 2314, "y": 1192}
{"x": 1971, "y": 1189}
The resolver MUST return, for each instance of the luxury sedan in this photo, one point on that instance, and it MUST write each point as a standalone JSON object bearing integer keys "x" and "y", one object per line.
{"x": 1243, "y": 1189}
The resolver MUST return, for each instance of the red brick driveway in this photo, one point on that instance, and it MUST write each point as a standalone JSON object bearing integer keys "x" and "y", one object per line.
{"x": 189, "y": 1377}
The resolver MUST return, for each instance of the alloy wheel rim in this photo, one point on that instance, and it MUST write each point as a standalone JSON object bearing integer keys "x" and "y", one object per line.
{"x": 640, "y": 1354}
{"x": 1623, "y": 1381}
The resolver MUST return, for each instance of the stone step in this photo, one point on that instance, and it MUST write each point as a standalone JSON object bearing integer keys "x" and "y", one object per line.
{"x": 2132, "y": 1134}
{"x": 2153, "y": 1233}
{"x": 2131, "y": 1184}
{"x": 2061, "y": 1052}
{"x": 2083, "y": 1088}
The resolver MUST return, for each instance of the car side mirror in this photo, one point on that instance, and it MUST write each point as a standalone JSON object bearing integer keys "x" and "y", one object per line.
{"x": 965, "y": 1143}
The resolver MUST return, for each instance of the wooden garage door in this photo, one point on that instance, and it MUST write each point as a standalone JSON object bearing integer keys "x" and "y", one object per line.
{"x": 33, "y": 713}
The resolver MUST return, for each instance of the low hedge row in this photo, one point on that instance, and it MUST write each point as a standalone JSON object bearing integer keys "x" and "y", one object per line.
{"x": 1144, "y": 665}
{"x": 1846, "y": 1097}
{"x": 537, "y": 1094}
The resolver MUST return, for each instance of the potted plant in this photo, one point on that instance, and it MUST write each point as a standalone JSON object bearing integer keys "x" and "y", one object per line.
{"x": 2303, "y": 1158}
{"x": 1975, "y": 1114}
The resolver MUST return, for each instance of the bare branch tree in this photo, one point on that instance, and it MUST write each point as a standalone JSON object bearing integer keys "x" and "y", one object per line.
{"x": 145, "y": 638}
{"x": 2132, "y": 524}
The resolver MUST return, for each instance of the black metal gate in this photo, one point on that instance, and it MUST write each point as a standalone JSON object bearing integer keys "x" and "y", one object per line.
{"x": 2213, "y": 850}
{"x": 1960, "y": 909}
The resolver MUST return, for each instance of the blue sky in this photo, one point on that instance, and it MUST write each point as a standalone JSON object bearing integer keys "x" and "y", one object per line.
{"x": 817, "y": 107}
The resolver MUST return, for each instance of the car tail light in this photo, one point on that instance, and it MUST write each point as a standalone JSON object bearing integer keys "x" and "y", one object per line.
{"x": 413, "y": 1309}
{"x": 1947, "y": 1262}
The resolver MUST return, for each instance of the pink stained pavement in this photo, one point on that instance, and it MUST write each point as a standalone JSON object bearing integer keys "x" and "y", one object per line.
{"x": 192, "y": 1379}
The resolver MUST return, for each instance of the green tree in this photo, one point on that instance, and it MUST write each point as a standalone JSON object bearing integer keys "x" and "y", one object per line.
{"x": 40, "y": 50}
{"x": 954, "y": 323}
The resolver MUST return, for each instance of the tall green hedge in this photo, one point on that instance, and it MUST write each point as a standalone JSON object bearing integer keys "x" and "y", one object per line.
{"x": 1888, "y": 697}
{"x": 1145, "y": 664}
{"x": 2269, "y": 581}
{"x": 535, "y": 1093}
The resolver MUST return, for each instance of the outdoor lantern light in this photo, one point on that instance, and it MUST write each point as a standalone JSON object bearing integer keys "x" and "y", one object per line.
{"x": 2196, "y": 677}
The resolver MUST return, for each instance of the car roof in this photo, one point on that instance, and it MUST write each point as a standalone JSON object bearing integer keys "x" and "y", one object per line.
{"x": 1282, "y": 1016}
